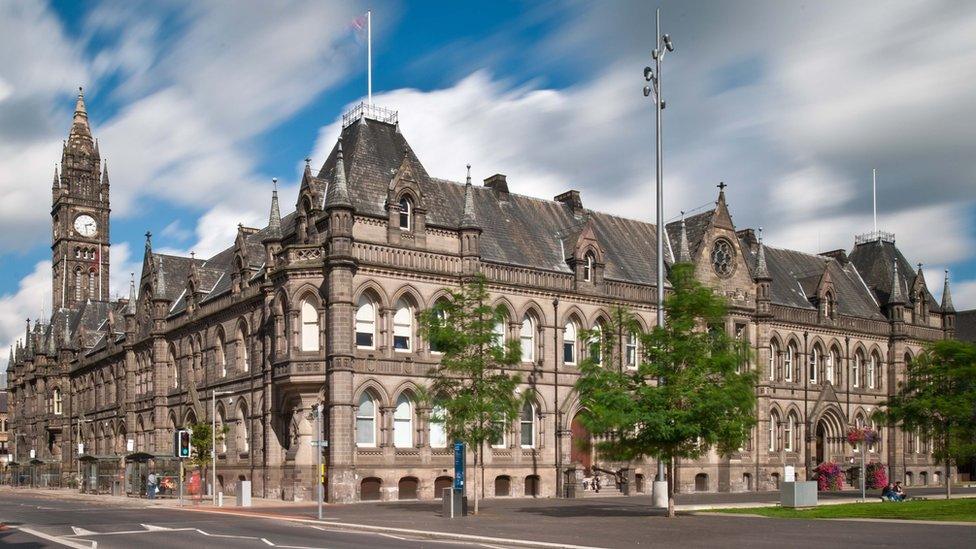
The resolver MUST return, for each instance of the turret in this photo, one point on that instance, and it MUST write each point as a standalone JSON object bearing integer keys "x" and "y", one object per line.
{"x": 272, "y": 242}
{"x": 470, "y": 231}
{"x": 684, "y": 251}
{"x": 763, "y": 280}
{"x": 948, "y": 310}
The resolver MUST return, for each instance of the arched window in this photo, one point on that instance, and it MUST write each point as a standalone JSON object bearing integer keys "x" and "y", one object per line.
{"x": 789, "y": 432}
{"x": 438, "y": 434}
{"x": 874, "y": 445}
{"x": 78, "y": 284}
{"x": 527, "y": 425}
{"x": 406, "y": 213}
{"x": 814, "y": 363}
{"x": 569, "y": 343}
{"x": 527, "y": 339}
{"x": 831, "y": 365}
{"x": 58, "y": 403}
{"x": 788, "y": 362}
{"x": 872, "y": 370}
{"x": 365, "y": 324}
{"x": 441, "y": 315}
{"x": 499, "y": 331}
{"x": 243, "y": 358}
{"x": 403, "y": 423}
{"x": 221, "y": 352}
{"x": 588, "y": 267}
{"x": 91, "y": 283}
{"x": 366, "y": 421}
{"x": 856, "y": 369}
{"x": 631, "y": 349}
{"x": 773, "y": 424}
{"x": 829, "y": 305}
{"x": 310, "y": 327}
{"x": 174, "y": 369}
{"x": 596, "y": 345}
{"x": 221, "y": 440}
{"x": 243, "y": 438}
{"x": 403, "y": 327}
{"x": 773, "y": 351}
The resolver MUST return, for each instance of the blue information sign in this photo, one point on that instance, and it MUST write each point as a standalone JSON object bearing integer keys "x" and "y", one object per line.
{"x": 459, "y": 466}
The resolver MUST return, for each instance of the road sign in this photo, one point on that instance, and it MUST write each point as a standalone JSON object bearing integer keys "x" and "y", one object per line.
{"x": 458, "y": 466}
{"x": 322, "y": 443}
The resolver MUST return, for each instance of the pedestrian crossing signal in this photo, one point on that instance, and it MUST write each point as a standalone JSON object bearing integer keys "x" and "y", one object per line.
{"x": 182, "y": 443}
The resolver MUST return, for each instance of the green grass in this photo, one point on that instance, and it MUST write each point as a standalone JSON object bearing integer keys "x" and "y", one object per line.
{"x": 933, "y": 509}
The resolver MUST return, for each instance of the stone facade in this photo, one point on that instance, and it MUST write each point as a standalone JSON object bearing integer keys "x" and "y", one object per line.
{"x": 320, "y": 307}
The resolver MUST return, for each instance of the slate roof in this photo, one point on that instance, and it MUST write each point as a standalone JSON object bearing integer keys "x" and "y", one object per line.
{"x": 3, "y": 402}
{"x": 516, "y": 229}
{"x": 875, "y": 261}
{"x": 796, "y": 278}
{"x": 966, "y": 325}
{"x": 695, "y": 226}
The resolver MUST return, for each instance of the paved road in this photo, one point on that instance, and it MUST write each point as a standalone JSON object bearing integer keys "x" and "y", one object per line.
{"x": 36, "y": 521}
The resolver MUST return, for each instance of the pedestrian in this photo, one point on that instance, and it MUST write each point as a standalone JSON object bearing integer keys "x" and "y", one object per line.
{"x": 596, "y": 483}
{"x": 151, "y": 482}
{"x": 900, "y": 492}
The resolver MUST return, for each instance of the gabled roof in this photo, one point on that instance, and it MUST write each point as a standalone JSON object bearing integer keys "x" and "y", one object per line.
{"x": 966, "y": 325}
{"x": 695, "y": 227}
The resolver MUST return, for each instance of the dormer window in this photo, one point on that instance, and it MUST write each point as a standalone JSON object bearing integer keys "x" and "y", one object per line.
{"x": 588, "y": 267}
{"x": 406, "y": 212}
{"x": 829, "y": 305}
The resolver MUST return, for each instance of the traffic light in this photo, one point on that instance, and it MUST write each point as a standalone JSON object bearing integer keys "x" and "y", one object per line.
{"x": 182, "y": 443}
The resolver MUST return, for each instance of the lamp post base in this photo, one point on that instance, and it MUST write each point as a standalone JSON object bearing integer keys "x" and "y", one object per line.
{"x": 659, "y": 494}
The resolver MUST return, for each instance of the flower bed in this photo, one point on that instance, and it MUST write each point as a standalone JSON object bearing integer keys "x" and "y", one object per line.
{"x": 876, "y": 475}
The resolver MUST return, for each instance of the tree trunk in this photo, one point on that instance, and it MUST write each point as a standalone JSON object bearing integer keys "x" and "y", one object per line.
{"x": 670, "y": 470}
{"x": 475, "y": 475}
{"x": 948, "y": 478}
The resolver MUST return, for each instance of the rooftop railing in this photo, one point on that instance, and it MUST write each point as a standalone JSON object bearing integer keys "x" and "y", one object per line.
{"x": 370, "y": 111}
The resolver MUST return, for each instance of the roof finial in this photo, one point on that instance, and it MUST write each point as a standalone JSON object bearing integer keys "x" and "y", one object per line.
{"x": 130, "y": 307}
{"x": 148, "y": 241}
{"x": 947, "y": 296}
{"x": 897, "y": 295}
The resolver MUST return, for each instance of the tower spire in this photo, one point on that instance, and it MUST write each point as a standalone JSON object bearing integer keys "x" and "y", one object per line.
{"x": 947, "y": 296}
{"x": 469, "y": 219}
{"x": 338, "y": 192}
{"x": 897, "y": 294}
{"x": 762, "y": 270}
{"x": 130, "y": 307}
{"x": 684, "y": 252}
{"x": 274, "y": 218}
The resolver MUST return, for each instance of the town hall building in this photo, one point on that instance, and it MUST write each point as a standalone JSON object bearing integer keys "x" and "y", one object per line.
{"x": 321, "y": 306}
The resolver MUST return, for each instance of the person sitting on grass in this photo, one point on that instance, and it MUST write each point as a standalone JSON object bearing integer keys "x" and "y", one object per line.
{"x": 888, "y": 493}
{"x": 900, "y": 492}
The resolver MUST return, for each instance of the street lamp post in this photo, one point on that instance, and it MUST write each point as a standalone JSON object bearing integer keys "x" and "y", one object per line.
{"x": 213, "y": 442}
{"x": 662, "y": 46}
{"x": 77, "y": 448}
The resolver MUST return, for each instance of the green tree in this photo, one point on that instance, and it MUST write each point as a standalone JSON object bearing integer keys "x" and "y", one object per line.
{"x": 201, "y": 443}
{"x": 473, "y": 388}
{"x": 938, "y": 397}
{"x": 707, "y": 398}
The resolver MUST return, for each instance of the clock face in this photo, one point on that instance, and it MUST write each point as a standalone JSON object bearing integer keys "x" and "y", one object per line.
{"x": 85, "y": 225}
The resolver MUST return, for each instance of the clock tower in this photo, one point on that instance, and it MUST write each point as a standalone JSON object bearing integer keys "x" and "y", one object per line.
{"x": 80, "y": 217}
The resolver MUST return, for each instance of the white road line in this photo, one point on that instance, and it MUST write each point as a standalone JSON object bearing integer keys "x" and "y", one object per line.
{"x": 265, "y": 540}
{"x": 154, "y": 528}
{"x": 58, "y": 540}
{"x": 82, "y": 532}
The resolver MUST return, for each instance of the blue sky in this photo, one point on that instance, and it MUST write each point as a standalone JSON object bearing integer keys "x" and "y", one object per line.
{"x": 198, "y": 105}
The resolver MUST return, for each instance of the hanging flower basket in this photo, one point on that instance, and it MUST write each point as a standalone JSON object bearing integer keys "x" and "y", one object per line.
{"x": 830, "y": 477}
{"x": 864, "y": 435}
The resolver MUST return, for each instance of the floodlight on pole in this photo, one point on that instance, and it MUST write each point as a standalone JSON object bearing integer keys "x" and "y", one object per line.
{"x": 662, "y": 45}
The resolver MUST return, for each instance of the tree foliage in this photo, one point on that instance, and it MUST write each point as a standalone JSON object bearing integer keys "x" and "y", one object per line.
{"x": 473, "y": 389}
{"x": 706, "y": 397}
{"x": 938, "y": 397}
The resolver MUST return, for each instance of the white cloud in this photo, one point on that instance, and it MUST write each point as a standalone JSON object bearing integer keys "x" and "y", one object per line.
{"x": 32, "y": 296}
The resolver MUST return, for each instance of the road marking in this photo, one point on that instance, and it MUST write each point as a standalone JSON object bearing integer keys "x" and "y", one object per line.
{"x": 61, "y": 541}
{"x": 153, "y": 528}
{"x": 265, "y": 540}
{"x": 82, "y": 532}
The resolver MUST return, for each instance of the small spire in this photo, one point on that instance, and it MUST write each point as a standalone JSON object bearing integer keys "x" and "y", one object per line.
{"x": 897, "y": 294}
{"x": 338, "y": 192}
{"x": 274, "y": 218}
{"x": 762, "y": 270}
{"x": 80, "y": 110}
{"x": 947, "y": 296}
{"x": 469, "y": 220}
{"x": 57, "y": 182}
{"x": 684, "y": 251}
{"x": 130, "y": 307}
{"x": 105, "y": 173}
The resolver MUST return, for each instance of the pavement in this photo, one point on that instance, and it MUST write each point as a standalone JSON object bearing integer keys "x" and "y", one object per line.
{"x": 509, "y": 522}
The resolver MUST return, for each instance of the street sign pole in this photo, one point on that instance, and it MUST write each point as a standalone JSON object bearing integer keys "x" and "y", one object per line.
{"x": 181, "y": 482}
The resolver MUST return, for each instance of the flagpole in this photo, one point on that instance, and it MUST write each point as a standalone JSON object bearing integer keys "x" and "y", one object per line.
{"x": 369, "y": 56}
{"x": 874, "y": 197}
